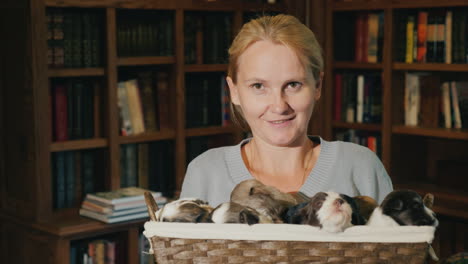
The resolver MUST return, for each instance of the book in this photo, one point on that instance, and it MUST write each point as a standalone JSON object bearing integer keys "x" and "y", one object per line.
{"x": 338, "y": 97}
{"x": 148, "y": 94}
{"x": 448, "y": 37}
{"x": 60, "y": 112}
{"x": 422, "y": 36}
{"x": 410, "y": 39}
{"x": 132, "y": 210}
{"x": 360, "y": 99}
{"x": 411, "y": 99}
{"x": 446, "y": 106}
{"x": 462, "y": 92}
{"x": 111, "y": 210}
{"x": 372, "y": 38}
{"x": 163, "y": 101}
{"x": 125, "y": 121}
{"x": 134, "y": 106}
{"x": 113, "y": 219}
{"x": 456, "y": 108}
{"x": 121, "y": 195}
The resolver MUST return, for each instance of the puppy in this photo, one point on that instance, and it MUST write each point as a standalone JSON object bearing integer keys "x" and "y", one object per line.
{"x": 266, "y": 200}
{"x": 366, "y": 205}
{"x": 328, "y": 210}
{"x": 185, "y": 211}
{"x": 231, "y": 212}
{"x": 402, "y": 207}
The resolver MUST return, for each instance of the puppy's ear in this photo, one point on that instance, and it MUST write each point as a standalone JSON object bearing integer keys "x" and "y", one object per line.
{"x": 428, "y": 200}
{"x": 246, "y": 216}
{"x": 204, "y": 217}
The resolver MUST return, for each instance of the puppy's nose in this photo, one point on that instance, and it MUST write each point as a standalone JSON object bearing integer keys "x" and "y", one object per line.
{"x": 339, "y": 202}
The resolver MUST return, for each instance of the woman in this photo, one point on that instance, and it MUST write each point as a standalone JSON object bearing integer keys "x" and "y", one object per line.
{"x": 275, "y": 77}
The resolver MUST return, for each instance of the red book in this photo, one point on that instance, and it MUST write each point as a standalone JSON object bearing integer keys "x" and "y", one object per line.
{"x": 422, "y": 36}
{"x": 372, "y": 143}
{"x": 60, "y": 112}
{"x": 359, "y": 38}
{"x": 338, "y": 94}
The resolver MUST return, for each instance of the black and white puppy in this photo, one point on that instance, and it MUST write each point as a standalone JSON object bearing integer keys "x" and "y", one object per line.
{"x": 231, "y": 212}
{"x": 330, "y": 211}
{"x": 402, "y": 207}
{"x": 185, "y": 211}
{"x": 266, "y": 200}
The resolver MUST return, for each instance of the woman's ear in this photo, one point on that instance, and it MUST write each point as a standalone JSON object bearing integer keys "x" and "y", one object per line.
{"x": 318, "y": 87}
{"x": 233, "y": 91}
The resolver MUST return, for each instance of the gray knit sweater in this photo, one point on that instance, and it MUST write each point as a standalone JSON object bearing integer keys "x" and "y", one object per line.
{"x": 341, "y": 167}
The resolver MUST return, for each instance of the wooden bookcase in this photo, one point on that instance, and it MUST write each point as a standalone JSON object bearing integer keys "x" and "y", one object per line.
{"x": 419, "y": 158}
{"x": 32, "y": 230}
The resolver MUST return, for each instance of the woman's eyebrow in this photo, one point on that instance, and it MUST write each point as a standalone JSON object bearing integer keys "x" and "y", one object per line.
{"x": 254, "y": 80}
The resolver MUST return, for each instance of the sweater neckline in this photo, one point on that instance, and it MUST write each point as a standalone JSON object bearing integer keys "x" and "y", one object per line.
{"x": 318, "y": 175}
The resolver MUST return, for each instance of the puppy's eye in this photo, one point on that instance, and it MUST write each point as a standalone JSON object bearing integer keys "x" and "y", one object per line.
{"x": 417, "y": 205}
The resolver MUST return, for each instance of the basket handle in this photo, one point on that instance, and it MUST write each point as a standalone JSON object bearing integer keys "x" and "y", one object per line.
{"x": 152, "y": 205}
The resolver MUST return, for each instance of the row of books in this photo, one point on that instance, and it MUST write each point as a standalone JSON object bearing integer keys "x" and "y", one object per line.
{"x": 119, "y": 205}
{"x": 370, "y": 140}
{"x": 74, "y": 175}
{"x": 358, "y": 98}
{"x": 145, "y": 34}
{"x": 429, "y": 102}
{"x": 432, "y": 36}
{"x": 74, "y": 38}
{"x": 148, "y": 165}
{"x": 207, "y": 37}
{"x": 144, "y": 103}
{"x": 207, "y": 101}
{"x": 76, "y": 109}
{"x": 363, "y": 34}
{"x": 97, "y": 251}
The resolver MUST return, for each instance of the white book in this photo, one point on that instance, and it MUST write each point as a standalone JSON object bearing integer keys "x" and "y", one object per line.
{"x": 456, "y": 109}
{"x": 122, "y": 195}
{"x": 135, "y": 107}
{"x": 411, "y": 99}
{"x": 360, "y": 99}
{"x": 446, "y": 105}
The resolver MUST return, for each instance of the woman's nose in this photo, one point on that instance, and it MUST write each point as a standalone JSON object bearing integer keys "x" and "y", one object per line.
{"x": 279, "y": 104}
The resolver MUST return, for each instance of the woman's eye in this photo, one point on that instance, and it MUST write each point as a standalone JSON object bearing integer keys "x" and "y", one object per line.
{"x": 294, "y": 85}
{"x": 256, "y": 86}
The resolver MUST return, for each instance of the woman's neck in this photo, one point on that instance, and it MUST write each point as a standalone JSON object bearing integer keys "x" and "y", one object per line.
{"x": 283, "y": 167}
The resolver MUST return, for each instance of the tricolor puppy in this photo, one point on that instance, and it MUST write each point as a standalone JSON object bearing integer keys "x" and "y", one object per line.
{"x": 328, "y": 210}
{"x": 231, "y": 212}
{"x": 402, "y": 207}
{"x": 185, "y": 211}
{"x": 266, "y": 200}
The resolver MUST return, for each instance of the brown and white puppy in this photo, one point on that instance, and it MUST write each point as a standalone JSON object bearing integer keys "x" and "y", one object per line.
{"x": 231, "y": 212}
{"x": 185, "y": 211}
{"x": 267, "y": 200}
{"x": 330, "y": 211}
{"x": 403, "y": 207}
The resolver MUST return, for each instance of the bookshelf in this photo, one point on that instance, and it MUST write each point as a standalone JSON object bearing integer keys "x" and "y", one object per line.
{"x": 426, "y": 157}
{"x": 33, "y": 227}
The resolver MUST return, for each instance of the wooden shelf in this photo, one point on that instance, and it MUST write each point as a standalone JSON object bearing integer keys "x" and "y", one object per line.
{"x": 430, "y": 67}
{"x": 431, "y": 132}
{"x": 113, "y": 3}
{"x": 355, "y": 5}
{"x": 77, "y": 72}
{"x": 357, "y": 126}
{"x": 446, "y": 201}
{"x": 135, "y": 61}
{"x": 147, "y": 137}
{"x": 206, "y": 67}
{"x": 79, "y": 144}
{"x": 357, "y": 65}
{"x": 208, "y": 131}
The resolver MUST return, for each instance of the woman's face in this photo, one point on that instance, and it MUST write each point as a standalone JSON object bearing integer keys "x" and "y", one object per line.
{"x": 275, "y": 93}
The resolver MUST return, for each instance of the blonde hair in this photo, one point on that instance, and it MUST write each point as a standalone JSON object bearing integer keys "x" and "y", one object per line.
{"x": 282, "y": 29}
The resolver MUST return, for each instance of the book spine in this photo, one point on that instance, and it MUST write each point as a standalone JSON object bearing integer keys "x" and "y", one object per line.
{"x": 456, "y": 108}
{"x": 60, "y": 112}
{"x": 422, "y": 36}
{"x": 446, "y": 105}
{"x": 409, "y": 39}
{"x": 58, "y": 38}
{"x": 59, "y": 176}
{"x": 359, "y": 38}
{"x": 163, "y": 100}
{"x": 360, "y": 99}
{"x": 70, "y": 178}
{"x": 372, "y": 38}
{"x": 448, "y": 37}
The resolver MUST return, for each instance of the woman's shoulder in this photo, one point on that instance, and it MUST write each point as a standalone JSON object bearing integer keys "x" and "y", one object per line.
{"x": 214, "y": 155}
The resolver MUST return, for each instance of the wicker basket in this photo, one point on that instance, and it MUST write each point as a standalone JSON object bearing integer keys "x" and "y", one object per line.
{"x": 175, "y": 246}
